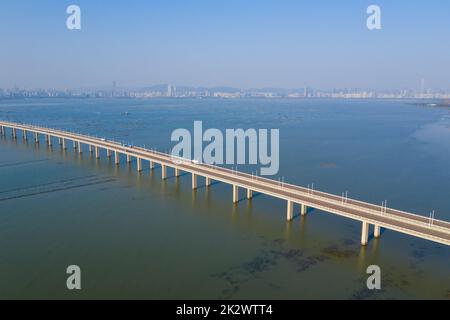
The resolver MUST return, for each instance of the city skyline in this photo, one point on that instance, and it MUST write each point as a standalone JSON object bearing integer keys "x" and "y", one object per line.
{"x": 183, "y": 91}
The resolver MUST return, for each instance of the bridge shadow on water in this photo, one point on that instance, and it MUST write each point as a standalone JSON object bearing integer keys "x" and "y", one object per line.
{"x": 255, "y": 195}
{"x": 204, "y": 186}
{"x": 302, "y": 217}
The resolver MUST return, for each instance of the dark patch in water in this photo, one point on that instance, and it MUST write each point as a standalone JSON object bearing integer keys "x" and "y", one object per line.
{"x": 388, "y": 281}
{"x": 279, "y": 241}
{"x": 419, "y": 254}
{"x": 310, "y": 261}
{"x": 266, "y": 260}
{"x": 349, "y": 242}
{"x": 275, "y": 286}
{"x": 404, "y": 283}
{"x": 364, "y": 294}
{"x": 337, "y": 252}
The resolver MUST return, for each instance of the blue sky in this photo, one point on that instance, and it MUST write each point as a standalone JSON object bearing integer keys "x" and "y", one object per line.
{"x": 246, "y": 43}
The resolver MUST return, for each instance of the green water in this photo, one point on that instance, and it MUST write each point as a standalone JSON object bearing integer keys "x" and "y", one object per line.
{"x": 136, "y": 236}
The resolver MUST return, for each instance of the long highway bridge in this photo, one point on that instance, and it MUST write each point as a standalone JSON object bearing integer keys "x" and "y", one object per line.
{"x": 368, "y": 214}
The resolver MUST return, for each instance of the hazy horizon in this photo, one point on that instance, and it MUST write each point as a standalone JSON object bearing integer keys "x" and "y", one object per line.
{"x": 256, "y": 44}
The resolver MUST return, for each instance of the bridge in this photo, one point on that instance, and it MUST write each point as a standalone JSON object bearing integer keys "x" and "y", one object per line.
{"x": 368, "y": 214}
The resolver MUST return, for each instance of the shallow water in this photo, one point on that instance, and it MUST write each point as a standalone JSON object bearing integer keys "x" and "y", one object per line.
{"x": 135, "y": 236}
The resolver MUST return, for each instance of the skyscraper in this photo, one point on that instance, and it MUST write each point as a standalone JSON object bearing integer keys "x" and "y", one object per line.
{"x": 422, "y": 87}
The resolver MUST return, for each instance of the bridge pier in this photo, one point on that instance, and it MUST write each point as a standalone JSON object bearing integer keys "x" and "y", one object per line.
{"x": 194, "y": 181}
{"x": 290, "y": 211}
{"x": 24, "y": 135}
{"x": 91, "y": 149}
{"x": 74, "y": 145}
{"x": 177, "y": 172}
{"x": 97, "y": 153}
{"x": 116, "y": 157}
{"x": 303, "y": 209}
{"x": 152, "y": 165}
{"x": 108, "y": 153}
{"x": 249, "y": 194}
{"x": 80, "y": 150}
{"x": 139, "y": 164}
{"x": 128, "y": 158}
{"x": 2, "y": 130}
{"x": 49, "y": 140}
{"x": 235, "y": 193}
{"x": 36, "y": 137}
{"x": 365, "y": 233}
{"x": 14, "y": 133}
{"x": 64, "y": 146}
{"x": 208, "y": 181}
{"x": 163, "y": 172}
{"x": 377, "y": 231}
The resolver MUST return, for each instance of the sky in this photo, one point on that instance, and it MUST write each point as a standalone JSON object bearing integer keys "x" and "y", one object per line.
{"x": 245, "y": 44}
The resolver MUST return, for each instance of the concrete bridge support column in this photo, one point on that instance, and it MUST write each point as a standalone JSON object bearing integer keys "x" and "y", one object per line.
{"x": 60, "y": 141}
{"x": 91, "y": 149}
{"x": 49, "y": 140}
{"x": 116, "y": 158}
{"x": 25, "y": 135}
{"x": 128, "y": 158}
{"x": 208, "y": 181}
{"x": 249, "y": 194}
{"x": 290, "y": 210}
{"x": 74, "y": 145}
{"x": 64, "y": 146}
{"x": 139, "y": 164}
{"x": 177, "y": 172}
{"x": 163, "y": 172}
{"x": 97, "y": 153}
{"x": 152, "y": 165}
{"x": 2, "y": 130}
{"x": 14, "y": 133}
{"x": 235, "y": 194}
{"x": 36, "y": 137}
{"x": 303, "y": 209}
{"x": 194, "y": 181}
{"x": 108, "y": 153}
{"x": 80, "y": 150}
{"x": 365, "y": 233}
{"x": 377, "y": 231}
